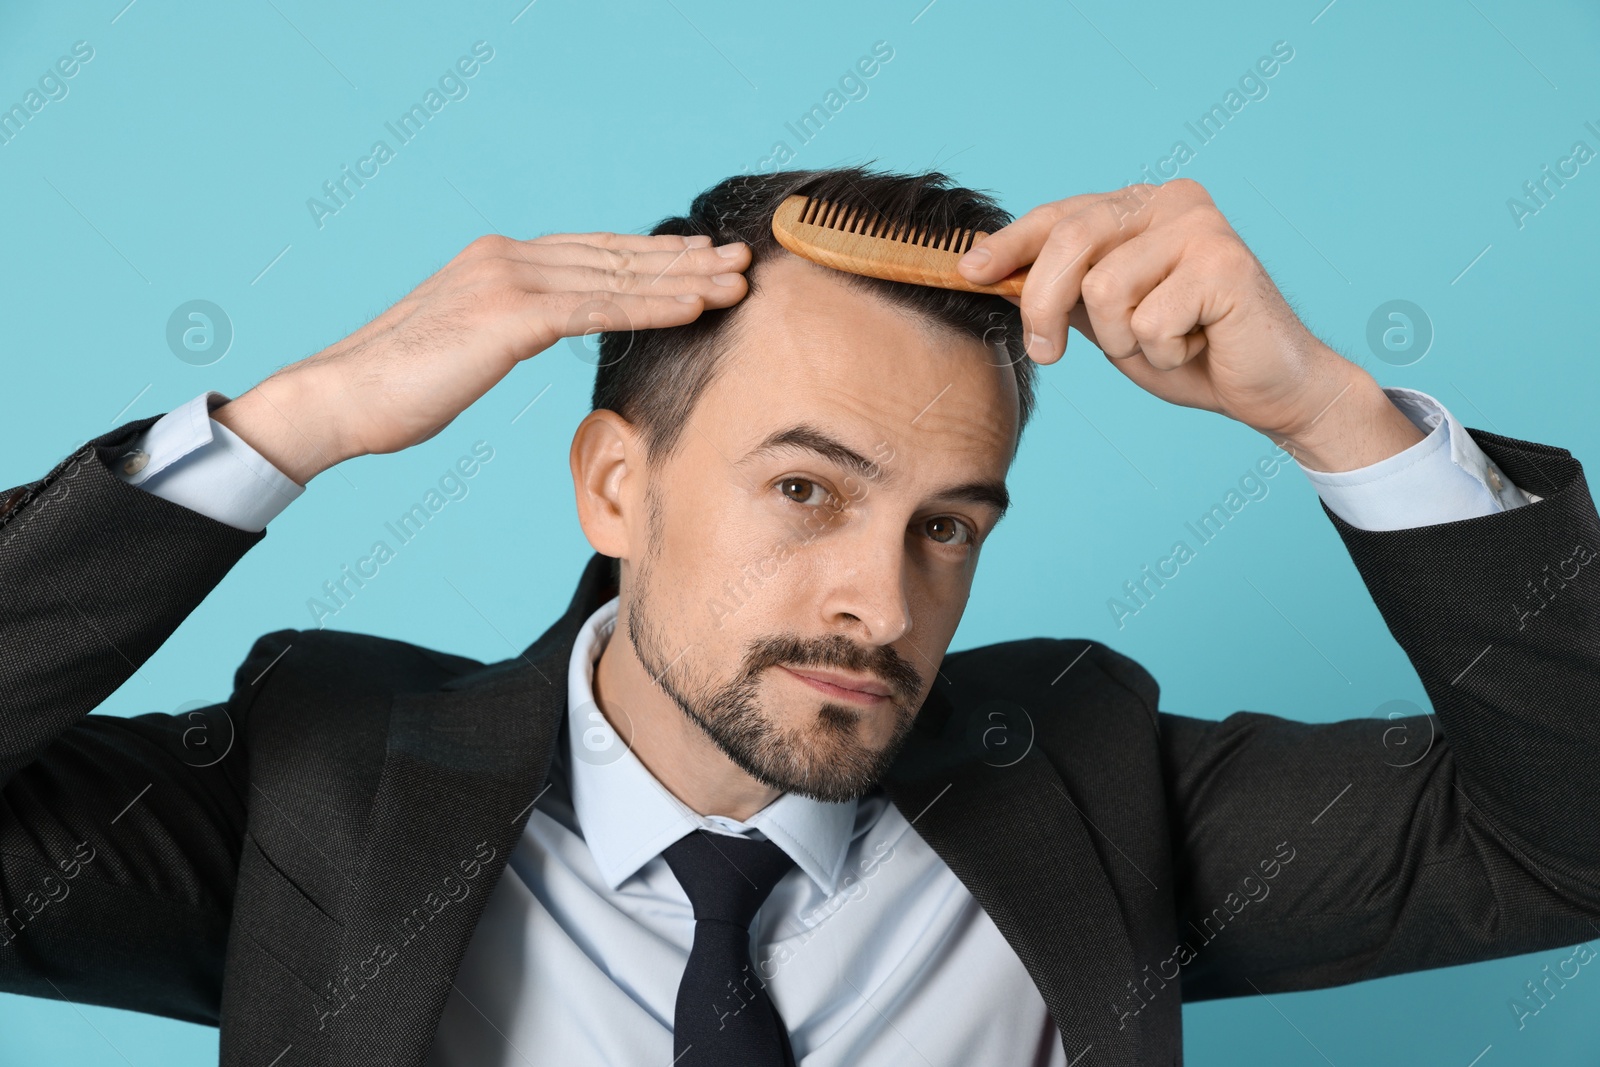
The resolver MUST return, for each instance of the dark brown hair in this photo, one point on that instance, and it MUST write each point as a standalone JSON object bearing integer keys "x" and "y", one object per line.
{"x": 653, "y": 378}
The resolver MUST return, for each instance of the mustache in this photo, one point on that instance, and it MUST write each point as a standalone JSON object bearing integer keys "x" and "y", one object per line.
{"x": 835, "y": 651}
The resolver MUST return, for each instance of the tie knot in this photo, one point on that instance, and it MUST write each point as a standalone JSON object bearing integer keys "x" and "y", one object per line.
{"x": 726, "y": 877}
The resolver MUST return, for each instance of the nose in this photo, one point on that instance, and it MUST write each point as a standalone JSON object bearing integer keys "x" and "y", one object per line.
{"x": 867, "y": 591}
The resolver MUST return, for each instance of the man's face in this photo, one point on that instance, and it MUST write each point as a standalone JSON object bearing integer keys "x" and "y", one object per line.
{"x": 760, "y": 563}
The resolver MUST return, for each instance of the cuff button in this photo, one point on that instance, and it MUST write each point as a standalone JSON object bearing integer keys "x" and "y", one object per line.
{"x": 133, "y": 462}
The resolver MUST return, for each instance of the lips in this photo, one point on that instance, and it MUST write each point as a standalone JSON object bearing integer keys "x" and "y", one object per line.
{"x": 864, "y": 686}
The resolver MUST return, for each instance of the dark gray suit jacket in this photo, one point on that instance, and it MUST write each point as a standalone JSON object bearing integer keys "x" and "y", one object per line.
{"x": 303, "y": 864}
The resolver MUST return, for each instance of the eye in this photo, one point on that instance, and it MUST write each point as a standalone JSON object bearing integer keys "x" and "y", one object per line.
{"x": 958, "y": 532}
{"x": 805, "y": 498}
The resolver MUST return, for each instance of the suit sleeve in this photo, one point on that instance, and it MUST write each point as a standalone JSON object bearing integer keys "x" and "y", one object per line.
{"x": 119, "y": 837}
{"x": 1312, "y": 855}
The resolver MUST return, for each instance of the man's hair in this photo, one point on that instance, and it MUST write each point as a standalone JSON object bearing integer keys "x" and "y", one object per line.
{"x": 653, "y": 378}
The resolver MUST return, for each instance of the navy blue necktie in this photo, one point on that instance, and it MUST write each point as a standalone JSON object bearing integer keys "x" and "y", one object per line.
{"x": 723, "y": 1014}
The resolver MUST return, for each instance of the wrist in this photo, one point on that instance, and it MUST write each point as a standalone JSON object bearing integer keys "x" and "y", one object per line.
{"x": 281, "y": 418}
{"x": 1355, "y": 425}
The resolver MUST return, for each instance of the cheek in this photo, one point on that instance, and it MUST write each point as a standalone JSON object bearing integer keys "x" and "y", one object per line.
{"x": 743, "y": 546}
{"x": 937, "y": 606}
{"x": 718, "y": 567}
{"x": 744, "y": 586}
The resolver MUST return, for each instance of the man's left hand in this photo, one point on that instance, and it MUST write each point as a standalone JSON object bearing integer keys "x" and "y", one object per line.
{"x": 1159, "y": 281}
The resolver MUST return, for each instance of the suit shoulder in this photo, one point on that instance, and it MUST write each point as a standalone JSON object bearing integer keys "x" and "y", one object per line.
{"x": 1070, "y": 666}
{"x": 351, "y": 662}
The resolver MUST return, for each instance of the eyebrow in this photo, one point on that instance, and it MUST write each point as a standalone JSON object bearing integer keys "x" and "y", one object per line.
{"x": 807, "y": 438}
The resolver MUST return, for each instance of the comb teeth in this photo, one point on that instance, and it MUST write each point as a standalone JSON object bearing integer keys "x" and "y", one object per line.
{"x": 835, "y": 215}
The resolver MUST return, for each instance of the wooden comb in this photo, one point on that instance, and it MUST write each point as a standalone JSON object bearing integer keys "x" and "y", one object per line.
{"x": 859, "y": 240}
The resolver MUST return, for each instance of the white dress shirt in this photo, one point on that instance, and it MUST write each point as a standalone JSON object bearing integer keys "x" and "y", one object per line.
{"x": 873, "y": 951}
{"x": 864, "y": 945}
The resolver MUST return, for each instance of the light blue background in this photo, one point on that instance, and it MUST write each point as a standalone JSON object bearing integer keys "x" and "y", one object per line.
{"x": 1378, "y": 167}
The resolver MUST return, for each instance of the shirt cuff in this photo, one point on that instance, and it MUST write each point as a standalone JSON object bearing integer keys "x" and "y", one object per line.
{"x": 1445, "y": 477}
{"x": 191, "y": 459}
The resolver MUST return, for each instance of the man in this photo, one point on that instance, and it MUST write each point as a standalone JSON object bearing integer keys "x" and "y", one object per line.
{"x": 739, "y": 805}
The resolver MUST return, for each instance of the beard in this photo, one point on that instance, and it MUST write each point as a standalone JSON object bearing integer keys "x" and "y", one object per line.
{"x": 820, "y": 759}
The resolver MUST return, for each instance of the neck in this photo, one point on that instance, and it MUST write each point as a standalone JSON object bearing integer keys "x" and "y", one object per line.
{"x": 671, "y": 746}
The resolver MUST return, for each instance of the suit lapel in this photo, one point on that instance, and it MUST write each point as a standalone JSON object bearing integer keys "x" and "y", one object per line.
{"x": 463, "y": 767}
{"x": 1009, "y": 830}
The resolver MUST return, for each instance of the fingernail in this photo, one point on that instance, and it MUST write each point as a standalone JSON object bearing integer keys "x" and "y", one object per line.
{"x": 1040, "y": 346}
{"x": 687, "y": 298}
{"x": 729, "y": 250}
{"x": 698, "y": 240}
{"x": 725, "y": 279}
{"x": 976, "y": 259}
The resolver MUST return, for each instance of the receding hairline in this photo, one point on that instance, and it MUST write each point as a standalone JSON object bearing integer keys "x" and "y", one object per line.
{"x": 723, "y": 344}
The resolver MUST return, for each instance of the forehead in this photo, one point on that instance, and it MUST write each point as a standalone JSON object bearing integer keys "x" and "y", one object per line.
{"x": 808, "y": 346}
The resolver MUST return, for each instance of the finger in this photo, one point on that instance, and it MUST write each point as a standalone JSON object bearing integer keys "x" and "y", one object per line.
{"x": 642, "y": 312}
{"x": 639, "y": 241}
{"x": 1074, "y": 246}
{"x": 1115, "y": 286}
{"x": 1167, "y": 325}
{"x": 717, "y": 290}
{"x": 652, "y": 263}
{"x": 578, "y": 314}
{"x": 1020, "y": 243}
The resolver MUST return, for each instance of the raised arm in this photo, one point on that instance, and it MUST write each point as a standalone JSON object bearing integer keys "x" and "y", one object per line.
{"x": 1307, "y": 854}
{"x": 121, "y": 838}
{"x": 1423, "y": 841}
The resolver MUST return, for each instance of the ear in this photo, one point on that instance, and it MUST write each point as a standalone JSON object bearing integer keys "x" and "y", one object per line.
{"x": 607, "y": 464}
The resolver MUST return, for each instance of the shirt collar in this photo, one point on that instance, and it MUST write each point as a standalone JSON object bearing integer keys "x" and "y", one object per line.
{"x": 628, "y": 817}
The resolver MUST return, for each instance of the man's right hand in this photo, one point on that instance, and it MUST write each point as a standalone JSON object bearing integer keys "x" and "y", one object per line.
{"x": 405, "y": 375}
